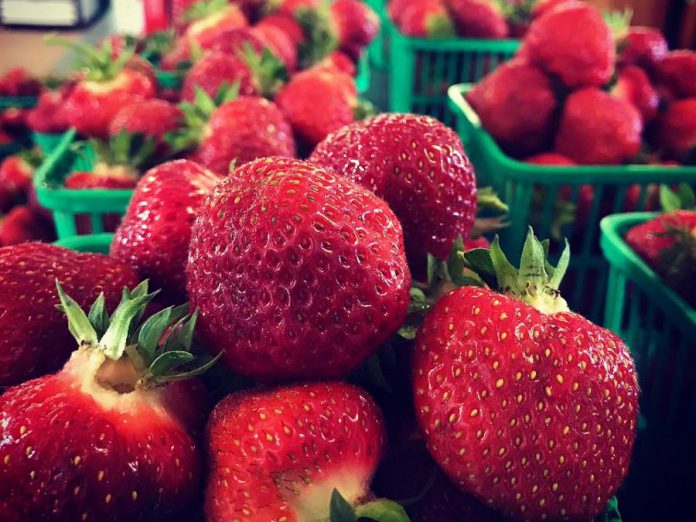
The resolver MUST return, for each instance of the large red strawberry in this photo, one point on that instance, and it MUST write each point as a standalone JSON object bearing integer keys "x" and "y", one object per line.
{"x": 280, "y": 454}
{"x": 676, "y": 132}
{"x": 428, "y": 19}
{"x": 572, "y": 42}
{"x": 109, "y": 84}
{"x": 23, "y": 224}
{"x": 239, "y": 130}
{"x": 312, "y": 253}
{"x": 517, "y": 106}
{"x": 676, "y": 75}
{"x": 478, "y": 18}
{"x": 597, "y": 128}
{"x": 419, "y": 167}
{"x": 109, "y": 437}
{"x": 530, "y": 407}
{"x": 633, "y": 85}
{"x": 642, "y": 46}
{"x": 153, "y": 118}
{"x": 355, "y": 22}
{"x": 317, "y": 102}
{"x": 154, "y": 234}
{"x": 33, "y": 338}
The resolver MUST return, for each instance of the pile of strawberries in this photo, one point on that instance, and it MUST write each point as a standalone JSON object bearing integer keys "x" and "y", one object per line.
{"x": 582, "y": 91}
{"x": 349, "y": 343}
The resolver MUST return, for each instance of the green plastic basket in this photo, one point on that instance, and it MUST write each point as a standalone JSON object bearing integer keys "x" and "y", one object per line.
{"x": 377, "y": 49}
{"x": 169, "y": 79}
{"x": 98, "y": 243}
{"x": 47, "y": 141}
{"x": 660, "y": 328}
{"x": 67, "y": 205}
{"x": 20, "y": 102}
{"x": 362, "y": 76}
{"x": 519, "y": 183}
{"x": 421, "y": 70}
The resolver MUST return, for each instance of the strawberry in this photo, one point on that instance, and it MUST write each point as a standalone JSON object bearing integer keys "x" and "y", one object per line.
{"x": 356, "y": 23}
{"x": 286, "y": 23}
{"x": 633, "y": 85}
{"x": 233, "y": 130}
{"x": 113, "y": 423}
{"x": 478, "y": 18}
{"x": 291, "y": 7}
{"x": 234, "y": 41}
{"x": 336, "y": 250}
{"x": 528, "y": 406}
{"x": 339, "y": 61}
{"x": 676, "y": 75}
{"x": 23, "y": 224}
{"x": 517, "y": 106}
{"x": 108, "y": 85}
{"x": 642, "y": 46}
{"x": 30, "y": 270}
{"x": 597, "y": 128}
{"x": 153, "y": 118}
{"x": 428, "y": 19}
{"x": 49, "y": 114}
{"x": 572, "y": 42}
{"x": 318, "y": 102}
{"x": 154, "y": 234}
{"x": 16, "y": 175}
{"x": 280, "y": 43}
{"x": 282, "y": 453}
{"x": 677, "y": 130}
{"x": 419, "y": 167}
{"x": 19, "y": 82}
{"x": 207, "y": 18}
{"x": 214, "y": 69}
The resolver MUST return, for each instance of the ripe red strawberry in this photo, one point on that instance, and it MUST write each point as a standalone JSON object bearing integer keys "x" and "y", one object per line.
{"x": 542, "y": 7}
{"x": 633, "y": 85}
{"x": 317, "y": 102}
{"x": 574, "y": 43}
{"x": 478, "y": 18}
{"x": 339, "y": 61}
{"x": 49, "y": 114}
{"x": 214, "y": 69}
{"x": 108, "y": 86}
{"x": 113, "y": 427}
{"x": 19, "y": 82}
{"x": 23, "y": 224}
{"x": 517, "y": 106}
{"x": 419, "y": 167}
{"x": 210, "y": 17}
{"x": 154, "y": 235}
{"x": 676, "y": 75}
{"x": 428, "y": 19}
{"x": 528, "y": 406}
{"x": 355, "y": 22}
{"x": 153, "y": 118}
{"x": 234, "y": 41}
{"x": 337, "y": 254}
{"x": 30, "y": 270}
{"x": 677, "y": 130}
{"x": 291, "y": 7}
{"x": 597, "y": 128}
{"x": 16, "y": 175}
{"x": 642, "y": 46}
{"x": 285, "y": 22}
{"x": 280, "y": 43}
{"x": 259, "y": 469}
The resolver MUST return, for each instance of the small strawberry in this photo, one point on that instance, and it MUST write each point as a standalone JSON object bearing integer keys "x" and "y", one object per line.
{"x": 208, "y": 18}
{"x": 478, "y": 18}
{"x": 233, "y": 129}
{"x": 23, "y": 224}
{"x": 152, "y": 118}
{"x": 418, "y": 166}
{"x": 338, "y": 61}
{"x": 30, "y": 270}
{"x": 337, "y": 254}
{"x": 317, "y": 102}
{"x": 49, "y": 114}
{"x": 676, "y": 132}
{"x": 154, "y": 235}
{"x": 517, "y": 106}
{"x": 642, "y": 46}
{"x": 280, "y": 43}
{"x": 597, "y": 128}
{"x": 428, "y": 19}
{"x": 528, "y": 406}
{"x": 633, "y": 85}
{"x": 16, "y": 175}
{"x": 572, "y": 42}
{"x": 293, "y": 453}
{"x": 108, "y": 85}
{"x": 19, "y": 82}
{"x": 355, "y": 22}
{"x": 286, "y": 23}
{"x": 675, "y": 75}
{"x": 113, "y": 423}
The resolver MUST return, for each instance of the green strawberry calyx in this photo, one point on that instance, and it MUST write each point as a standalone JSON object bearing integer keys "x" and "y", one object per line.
{"x": 135, "y": 150}
{"x": 682, "y": 198}
{"x": 158, "y": 350}
{"x": 379, "y": 510}
{"x": 98, "y": 63}
{"x": 440, "y": 27}
{"x": 203, "y": 9}
{"x": 320, "y": 35}
{"x": 268, "y": 71}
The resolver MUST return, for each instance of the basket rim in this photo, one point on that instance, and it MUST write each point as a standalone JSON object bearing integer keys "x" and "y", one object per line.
{"x": 86, "y": 243}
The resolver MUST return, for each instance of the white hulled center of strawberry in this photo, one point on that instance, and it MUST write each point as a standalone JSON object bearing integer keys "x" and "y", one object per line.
{"x": 105, "y": 87}
{"x": 312, "y": 503}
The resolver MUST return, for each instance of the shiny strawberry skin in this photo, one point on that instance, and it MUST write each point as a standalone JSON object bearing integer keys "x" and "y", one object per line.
{"x": 23, "y": 224}
{"x": 419, "y": 167}
{"x": 356, "y": 23}
{"x": 633, "y": 85}
{"x": 242, "y": 130}
{"x": 268, "y": 448}
{"x": 573, "y": 42}
{"x": 317, "y": 102}
{"x": 153, "y": 118}
{"x": 91, "y": 106}
{"x": 312, "y": 253}
{"x": 534, "y": 414}
{"x": 677, "y": 130}
{"x": 67, "y": 457}
{"x": 642, "y": 46}
{"x": 33, "y": 336}
{"x": 214, "y": 69}
{"x": 597, "y": 128}
{"x": 649, "y": 239}
{"x": 154, "y": 234}
{"x": 676, "y": 74}
{"x": 517, "y": 106}
{"x": 478, "y": 18}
